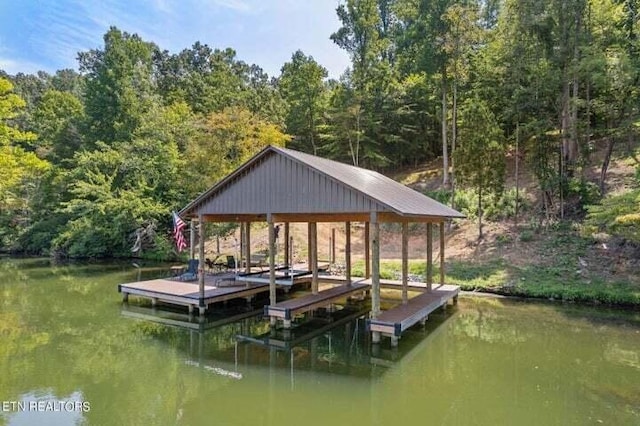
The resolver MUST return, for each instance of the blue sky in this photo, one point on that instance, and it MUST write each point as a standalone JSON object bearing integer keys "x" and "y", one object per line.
{"x": 48, "y": 34}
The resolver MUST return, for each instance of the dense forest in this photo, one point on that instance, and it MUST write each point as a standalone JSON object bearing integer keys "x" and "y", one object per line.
{"x": 92, "y": 159}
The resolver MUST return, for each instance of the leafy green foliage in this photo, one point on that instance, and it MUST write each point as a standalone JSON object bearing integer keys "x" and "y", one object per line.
{"x": 480, "y": 155}
{"x": 618, "y": 215}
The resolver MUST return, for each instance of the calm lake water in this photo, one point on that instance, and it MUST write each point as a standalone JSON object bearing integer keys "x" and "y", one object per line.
{"x": 65, "y": 338}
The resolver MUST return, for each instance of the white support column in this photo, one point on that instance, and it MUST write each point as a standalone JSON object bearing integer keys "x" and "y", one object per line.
{"x": 405, "y": 262}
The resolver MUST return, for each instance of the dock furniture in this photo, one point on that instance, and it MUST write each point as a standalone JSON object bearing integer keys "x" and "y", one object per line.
{"x": 192, "y": 271}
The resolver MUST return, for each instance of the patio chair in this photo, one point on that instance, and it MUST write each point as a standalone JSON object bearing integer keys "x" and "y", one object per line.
{"x": 192, "y": 271}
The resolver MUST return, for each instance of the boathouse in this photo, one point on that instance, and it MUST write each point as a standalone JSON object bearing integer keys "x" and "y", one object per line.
{"x": 283, "y": 186}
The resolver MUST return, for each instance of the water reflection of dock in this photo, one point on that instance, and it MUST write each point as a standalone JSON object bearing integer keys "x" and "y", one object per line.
{"x": 190, "y": 322}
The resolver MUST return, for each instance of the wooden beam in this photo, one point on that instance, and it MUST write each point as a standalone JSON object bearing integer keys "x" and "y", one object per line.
{"x": 313, "y": 237}
{"x": 367, "y": 253}
{"x": 235, "y": 218}
{"x": 309, "y": 245}
{"x": 405, "y": 262}
{"x": 247, "y": 246}
{"x": 332, "y": 255}
{"x": 375, "y": 266}
{"x": 272, "y": 265}
{"x": 429, "y": 257}
{"x": 383, "y": 217}
{"x": 192, "y": 239}
{"x": 201, "y": 264}
{"x": 442, "y": 253}
{"x": 287, "y": 260}
{"x": 347, "y": 251}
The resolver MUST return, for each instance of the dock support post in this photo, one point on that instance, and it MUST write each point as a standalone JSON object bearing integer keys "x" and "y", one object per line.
{"x": 287, "y": 259}
{"x": 202, "y": 310}
{"x": 367, "y": 259}
{"x": 309, "y": 245}
{"x": 192, "y": 239}
{"x": 375, "y": 268}
{"x": 375, "y": 337}
{"x": 429, "y": 256}
{"x": 272, "y": 265}
{"x": 201, "y": 259}
{"x": 154, "y": 301}
{"x": 286, "y": 323}
{"x": 394, "y": 341}
{"x": 247, "y": 246}
{"x": 191, "y": 308}
{"x": 405, "y": 263}
{"x": 442, "y": 253}
{"x": 125, "y": 297}
{"x": 332, "y": 255}
{"x": 313, "y": 228}
{"x": 347, "y": 251}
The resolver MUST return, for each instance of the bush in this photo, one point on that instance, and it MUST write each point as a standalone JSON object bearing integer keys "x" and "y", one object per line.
{"x": 587, "y": 192}
{"x": 617, "y": 215}
{"x": 526, "y": 236}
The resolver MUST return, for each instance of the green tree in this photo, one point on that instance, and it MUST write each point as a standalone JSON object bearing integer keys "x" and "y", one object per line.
{"x": 57, "y": 120}
{"x": 223, "y": 142}
{"x": 120, "y": 87}
{"x": 480, "y": 155}
{"x": 302, "y": 86}
{"x": 20, "y": 170}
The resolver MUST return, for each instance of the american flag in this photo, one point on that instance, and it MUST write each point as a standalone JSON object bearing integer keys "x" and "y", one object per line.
{"x": 178, "y": 225}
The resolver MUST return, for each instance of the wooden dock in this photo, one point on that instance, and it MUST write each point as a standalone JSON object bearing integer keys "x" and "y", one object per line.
{"x": 394, "y": 321}
{"x": 384, "y": 283}
{"x": 187, "y": 293}
{"x": 287, "y": 309}
{"x": 285, "y": 276}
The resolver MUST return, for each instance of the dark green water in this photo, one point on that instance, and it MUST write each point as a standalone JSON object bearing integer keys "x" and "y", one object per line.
{"x": 64, "y": 336}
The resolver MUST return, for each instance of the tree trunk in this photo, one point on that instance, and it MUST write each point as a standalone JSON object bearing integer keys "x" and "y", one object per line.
{"x": 515, "y": 218}
{"x": 445, "y": 154}
{"x": 605, "y": 163}
{"x": 454, "y": 133}
{"x": 480, "y": 212}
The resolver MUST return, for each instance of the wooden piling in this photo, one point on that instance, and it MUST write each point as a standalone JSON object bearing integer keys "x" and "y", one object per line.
{"x": 405, "y": 262}
{"x": 347, "y": 251}
{"x": 375, "y": 265}
{"x": 272, "y": 264}
{"x": 367, "y": 258}
{"x": 247, "y": 246}
{"x": 313, "y": 239}
{"x": 287, "y": 259}
{"x": 429, "y": 256}
{"x": 442, "y": 253}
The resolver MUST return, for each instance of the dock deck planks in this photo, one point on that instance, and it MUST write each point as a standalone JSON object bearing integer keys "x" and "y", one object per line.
{"x": 287, "y": 309}
{"x": 187, "y": 293}
{"x": 394, "y": 321}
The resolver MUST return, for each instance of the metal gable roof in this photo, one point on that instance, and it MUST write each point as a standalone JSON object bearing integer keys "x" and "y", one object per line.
{"x": 372, "y": 187}
{"x": 398, "y": 197}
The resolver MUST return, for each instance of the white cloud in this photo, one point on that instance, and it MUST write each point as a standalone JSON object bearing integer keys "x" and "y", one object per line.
{"x": 14, "y": 66}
